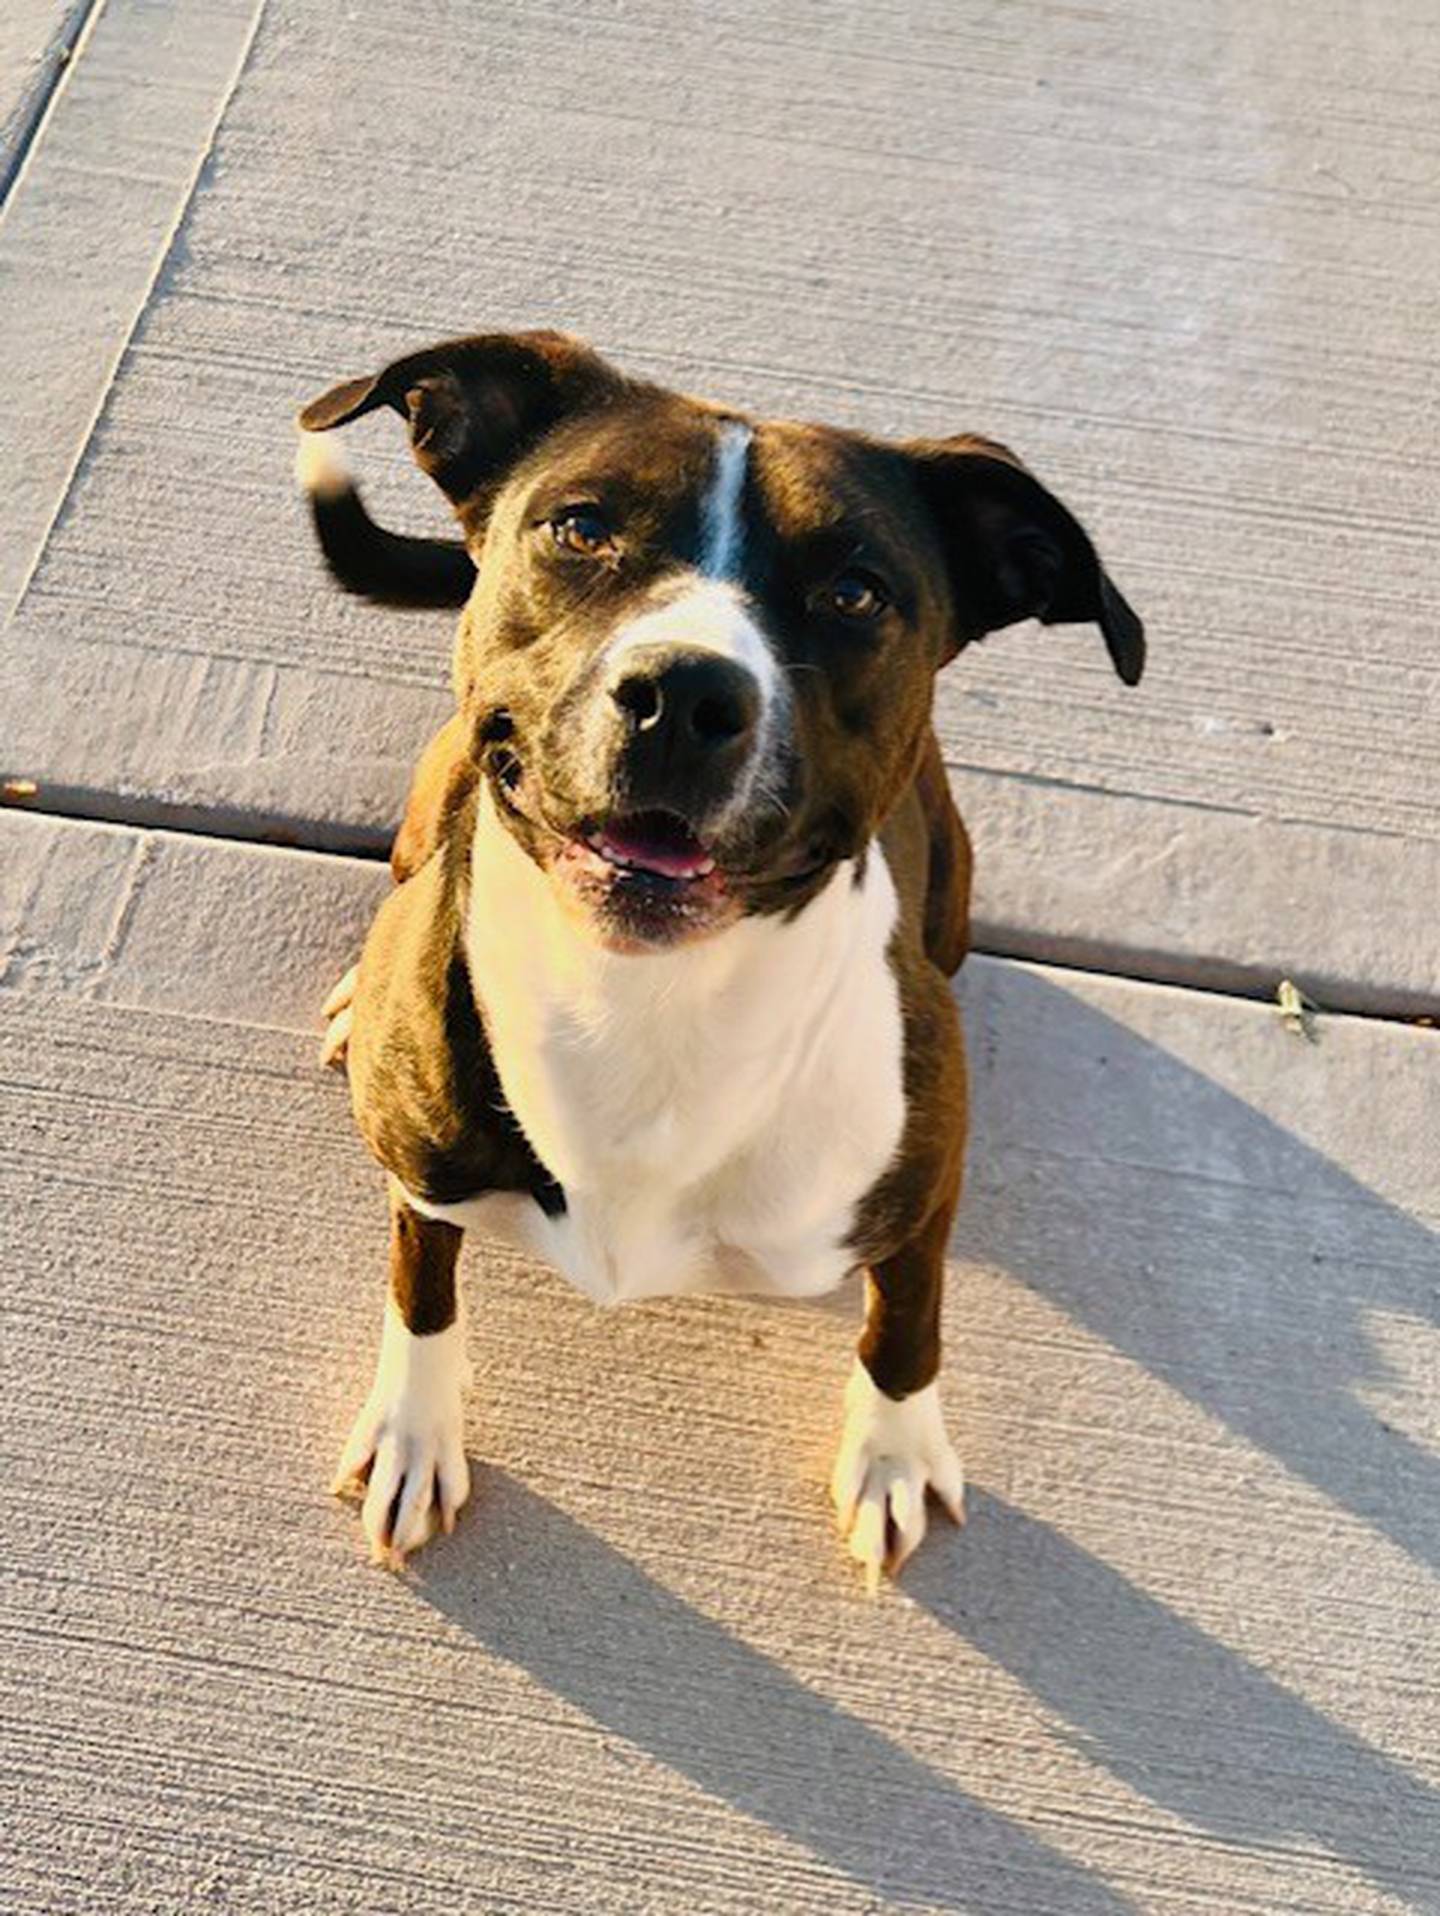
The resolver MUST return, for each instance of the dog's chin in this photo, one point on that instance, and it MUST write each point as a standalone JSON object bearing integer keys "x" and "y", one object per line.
{"x": 633, "y": 908}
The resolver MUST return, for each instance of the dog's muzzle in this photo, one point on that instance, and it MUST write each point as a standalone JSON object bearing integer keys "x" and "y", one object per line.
{"x": 687, "y": 726}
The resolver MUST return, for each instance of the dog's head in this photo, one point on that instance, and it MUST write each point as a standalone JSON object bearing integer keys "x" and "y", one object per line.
{"x": 699, "y": 655}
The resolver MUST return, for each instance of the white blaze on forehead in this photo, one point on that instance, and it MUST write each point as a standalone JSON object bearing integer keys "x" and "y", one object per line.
{"x": 722, "y": 529}
{"x": 704, "y": 608}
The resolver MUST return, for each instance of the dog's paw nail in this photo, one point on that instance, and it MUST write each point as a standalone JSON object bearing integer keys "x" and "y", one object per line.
{"x": 352, "y": 1473}
{"x": 341, "y": 995}
{"x": 892, "y": 1453}
{"x": 336, "y": 1041}
{"x": 948, "y": 1483}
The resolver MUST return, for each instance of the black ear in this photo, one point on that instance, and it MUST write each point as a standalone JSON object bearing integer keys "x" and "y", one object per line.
{"x": 1015, "y": 552}
{"x": 474, "y": 406}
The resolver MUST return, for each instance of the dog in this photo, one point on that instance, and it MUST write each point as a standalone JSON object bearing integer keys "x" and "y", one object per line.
{"x": 662, "y": 991}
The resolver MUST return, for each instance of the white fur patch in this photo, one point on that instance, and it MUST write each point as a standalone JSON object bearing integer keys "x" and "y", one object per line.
{"x": 319, "y": 466}
{"x": 704, "y": 610}
{"x": 700, "y": 615}
{"x": 722, "y": 528}
{"x": 715, "y": 1113}
{"x": 892, "y": 1451}
{"x": 411, "y": 1434}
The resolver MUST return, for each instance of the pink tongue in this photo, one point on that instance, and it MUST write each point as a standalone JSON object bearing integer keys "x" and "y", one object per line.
{"x": 656, "y": 845}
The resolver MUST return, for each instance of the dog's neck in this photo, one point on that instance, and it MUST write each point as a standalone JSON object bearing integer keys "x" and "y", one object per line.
{"x": 672, "y": 1051}
{"x": 519, "y": 923}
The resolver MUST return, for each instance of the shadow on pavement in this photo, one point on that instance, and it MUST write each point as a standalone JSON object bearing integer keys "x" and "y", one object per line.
{"x": 1244, "y": 1285}
{"x": 1184, "y": 1721}
{"x": 595, "y": 1629}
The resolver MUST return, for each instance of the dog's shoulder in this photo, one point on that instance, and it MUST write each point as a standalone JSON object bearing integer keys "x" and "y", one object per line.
{"x": 928, "y": 851}
{"x": 444, "y": 781}
{"x": 423, "y": 1083}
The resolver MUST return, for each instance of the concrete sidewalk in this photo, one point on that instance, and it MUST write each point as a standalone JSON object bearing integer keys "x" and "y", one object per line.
{"x": 1178, "y": 1660}
{"x": 1182, "y": 259}
{"x": 1184, "y": 1656}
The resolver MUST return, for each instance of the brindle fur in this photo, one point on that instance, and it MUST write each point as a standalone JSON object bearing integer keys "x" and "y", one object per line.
{"x": 511, "y": 427}
{"x": 423, "y": 1086}
{"x": 423, "y": 1255}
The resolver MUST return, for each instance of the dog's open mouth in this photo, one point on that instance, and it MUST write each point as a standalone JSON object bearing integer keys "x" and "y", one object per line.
{"x": 647, "y": 880}
{"x": 655, "y": 842}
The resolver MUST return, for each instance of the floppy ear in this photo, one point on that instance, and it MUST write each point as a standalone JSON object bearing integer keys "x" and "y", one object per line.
{"x": 1014, "y": 552}
{"x": 474, "y": 406}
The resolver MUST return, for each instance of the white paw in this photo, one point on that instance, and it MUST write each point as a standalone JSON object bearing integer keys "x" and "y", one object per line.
{"x": 890, "y": 1454}
{"x": 337, "y": 1013}
{"x": 406, "y": 1449}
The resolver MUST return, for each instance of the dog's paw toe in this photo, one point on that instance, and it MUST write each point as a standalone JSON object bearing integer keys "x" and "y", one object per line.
{"x": 336, "y": 1042}
{"x": 405, "y": 1455}
{"x": 413, "y": 1477}
{"x": 338, "y": 1013}
{"x": 891, "y": 1454}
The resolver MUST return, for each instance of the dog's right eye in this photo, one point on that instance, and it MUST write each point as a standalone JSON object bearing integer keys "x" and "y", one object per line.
{"x": 584, "y": 530}
{"x": 857, "y": 595}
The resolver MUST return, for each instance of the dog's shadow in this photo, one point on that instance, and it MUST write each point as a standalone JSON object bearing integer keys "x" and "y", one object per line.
{"x": 535, "y": 1587}
{"x": 1185, "y": 1722}
{"x": 1256, "y": 1297}
{"x": 1273, "y": 1344}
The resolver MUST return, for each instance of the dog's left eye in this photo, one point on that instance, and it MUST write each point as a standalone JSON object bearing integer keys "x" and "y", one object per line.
{"x": 857, "y": 595}
{"x": 585, "y": 530}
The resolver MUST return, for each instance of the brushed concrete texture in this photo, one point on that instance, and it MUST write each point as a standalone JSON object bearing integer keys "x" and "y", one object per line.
{"x": 1180, "y": 1660}
{"x": 84, "y": 234}
{"x": 36, "y": 40}
{"x": 1183, "y": 258}
{"x": 94, "y": 909}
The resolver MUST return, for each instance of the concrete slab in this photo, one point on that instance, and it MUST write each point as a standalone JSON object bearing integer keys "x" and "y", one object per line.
{"x": 1181, "y": 260}
{"x": 1179, "y": 1661}
{"x": 37, "y": 38}
{"x": 87, "y": 230}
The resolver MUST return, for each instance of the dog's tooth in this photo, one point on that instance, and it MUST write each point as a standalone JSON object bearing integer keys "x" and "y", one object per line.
{"x": 599, "y": 844}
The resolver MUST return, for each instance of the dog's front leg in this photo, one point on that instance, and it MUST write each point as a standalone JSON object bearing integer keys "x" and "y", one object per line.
{"x": 406, "y": 1447}
{"x": 894, "y": 1447}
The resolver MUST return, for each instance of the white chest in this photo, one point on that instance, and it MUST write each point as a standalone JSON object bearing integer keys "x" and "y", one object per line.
{"x": 714, "y": 1114}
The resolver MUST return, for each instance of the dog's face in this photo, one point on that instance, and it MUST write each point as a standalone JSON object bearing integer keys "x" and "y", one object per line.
{"x": 713, "y": 643}
{"x": 699, "y": 655}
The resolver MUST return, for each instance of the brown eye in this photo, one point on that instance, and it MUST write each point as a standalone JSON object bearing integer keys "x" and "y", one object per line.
{"x": 857, "y": 595}
{"x": 583, "y": 529}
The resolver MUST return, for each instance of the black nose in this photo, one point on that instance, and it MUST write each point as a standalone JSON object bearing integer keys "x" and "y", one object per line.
{"x": 693, "y": 703}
